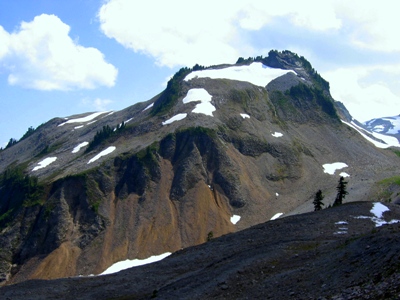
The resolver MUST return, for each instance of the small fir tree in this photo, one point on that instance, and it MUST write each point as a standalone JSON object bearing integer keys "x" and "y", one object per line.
{"x": 318, "y": 201}
{"x": 341, "y": 191}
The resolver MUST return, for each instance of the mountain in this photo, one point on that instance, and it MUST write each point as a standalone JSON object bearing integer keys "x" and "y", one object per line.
{"x": 345, "y": 252}
{"x": 221, "y": 149}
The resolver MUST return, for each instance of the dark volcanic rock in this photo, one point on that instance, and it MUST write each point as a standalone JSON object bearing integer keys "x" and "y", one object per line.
{"x": 300, "y": 257}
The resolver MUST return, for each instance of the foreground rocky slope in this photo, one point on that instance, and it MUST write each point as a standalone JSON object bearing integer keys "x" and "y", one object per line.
{"x": 337, "y": 253}
{"x": 83, "y": 193}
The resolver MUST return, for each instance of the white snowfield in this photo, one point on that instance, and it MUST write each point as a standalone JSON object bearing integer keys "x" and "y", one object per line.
{"x": 102, "y": 153}
{"x": 175, "y": 118}
{"x": 44, "y": 163}
{"x": 81, "y": 145}
{"x": 83, "y": 119}
{"x": 255, "y": 73}
{"x": 244, "y": 116}
{"x": 235, "y": 219}
{"x": 277, "y": 134}
{"x": 331, "y": 168}
{"x": 276, "y": 216}
{"x": 389, "y": 141}
{"x": 126, "y": 264}
{"x": 205, "y": 106}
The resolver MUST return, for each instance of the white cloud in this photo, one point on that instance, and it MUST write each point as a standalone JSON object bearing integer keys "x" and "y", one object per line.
{"x": 179, "y": 32}
{"x": 97, "y": 104}
{"x": 364, "y": 100}
{"x": 374, "y": 24}
{"x": 41, "y": 55}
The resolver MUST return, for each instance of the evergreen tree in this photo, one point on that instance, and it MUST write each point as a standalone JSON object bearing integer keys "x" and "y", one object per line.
{"x": 341, "y": 191}
{"x": 318, "y": 201}
{"x": 12, "y": 142}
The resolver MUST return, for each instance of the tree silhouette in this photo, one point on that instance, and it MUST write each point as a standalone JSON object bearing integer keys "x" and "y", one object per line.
{"x": 318, "y": 201}
{"x": 341, "y": 191}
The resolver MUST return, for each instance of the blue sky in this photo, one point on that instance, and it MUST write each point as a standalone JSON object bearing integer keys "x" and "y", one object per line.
{"x": 59, "y": 58}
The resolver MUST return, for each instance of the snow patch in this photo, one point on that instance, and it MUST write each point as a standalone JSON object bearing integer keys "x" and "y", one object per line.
{"x": 44, "y": 163}
{"x": 77, "y": 148}
{"x": 255, "y": 73}
{"x": 102, "y": 153}
{"x": 205, "y": 106}
{"x": 276, "y": 216}
{"x": 276, "y": 194}
{"x": 177, "y": 117}
{"x": 377, "y": 210}
{"x": 331, "y": 168}
{"x": 341, "y": 223}
{"x": 84, "y": 119}
{"x": 126, "y": 264}
{"x": 77, "y": 127}
{"x": 344, "y": 174}
{"x": 277, "y": 134}
{"x": 235, "y": 219}
{"x": 244, "y": 116}
{"x": 149, "y": 106}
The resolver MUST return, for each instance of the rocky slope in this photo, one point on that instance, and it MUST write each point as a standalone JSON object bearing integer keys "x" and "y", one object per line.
{"x": 345, "y": 252}
{"x": 84, "y": 192}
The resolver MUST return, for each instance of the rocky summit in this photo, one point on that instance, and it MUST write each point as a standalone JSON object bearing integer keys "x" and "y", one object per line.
{"x": 221, "y": 149}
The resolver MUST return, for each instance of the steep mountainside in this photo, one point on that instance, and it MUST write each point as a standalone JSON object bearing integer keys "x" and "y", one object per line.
{"x": 249, "y": 139}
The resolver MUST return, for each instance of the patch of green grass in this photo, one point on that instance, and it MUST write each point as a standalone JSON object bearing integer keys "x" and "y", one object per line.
{"x": 397, "y": 152}
{"x": 389, "y": 181}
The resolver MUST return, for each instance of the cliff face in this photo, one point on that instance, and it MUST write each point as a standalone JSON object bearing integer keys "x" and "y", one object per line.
{"x": 165, "y": 174}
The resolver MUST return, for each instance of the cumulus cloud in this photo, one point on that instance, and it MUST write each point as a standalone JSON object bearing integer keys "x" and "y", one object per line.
{"x": 365, "y": 99}
{"x": 372, "y": 24}
{"x": 179, "y": 32}
{"x": 41, "y": 55}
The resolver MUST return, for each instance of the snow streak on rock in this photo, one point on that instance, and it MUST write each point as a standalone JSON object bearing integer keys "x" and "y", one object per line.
{"x": 276, "y": 216}
{"x": 44, "y": 163}
{"x": 122, "y": 265}
{"x": 83, "y": 119}
{"x": 102, "y": 153}
{"x": 177, "y": 117}
{"x": 77, "y": 148}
